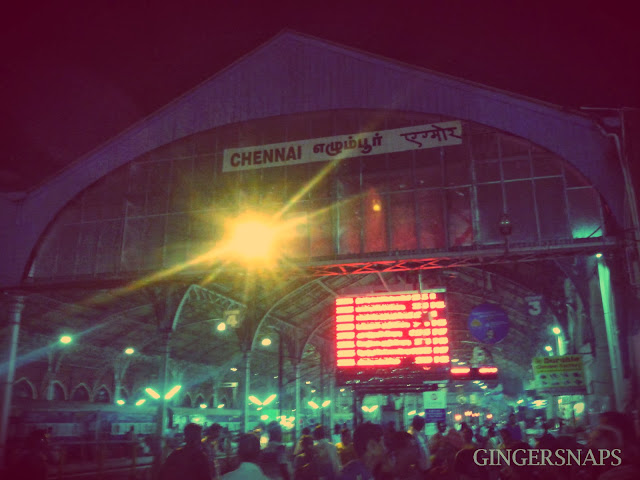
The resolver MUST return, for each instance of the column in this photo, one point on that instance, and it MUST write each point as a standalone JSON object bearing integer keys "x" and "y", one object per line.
{"x": 611, "y": 324}
{"x": 246, "y": 392}
{"x": 298, "y": 415}
{"x": 15, "y": 311}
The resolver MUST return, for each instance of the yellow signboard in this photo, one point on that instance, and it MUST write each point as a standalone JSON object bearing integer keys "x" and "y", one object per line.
{"x": 559, "y": 375}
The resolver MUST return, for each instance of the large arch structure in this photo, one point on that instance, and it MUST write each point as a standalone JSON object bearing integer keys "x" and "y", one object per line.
{"x": 144, "y": 210}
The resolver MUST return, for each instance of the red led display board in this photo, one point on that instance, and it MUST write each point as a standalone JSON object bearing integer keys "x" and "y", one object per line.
{"x": 392, "y": 332}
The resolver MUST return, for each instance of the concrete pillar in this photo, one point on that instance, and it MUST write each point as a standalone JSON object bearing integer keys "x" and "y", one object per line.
{"x": 246, "y": 392}
{"x": 298, "y": 406}
{"x": 15, "y": 312}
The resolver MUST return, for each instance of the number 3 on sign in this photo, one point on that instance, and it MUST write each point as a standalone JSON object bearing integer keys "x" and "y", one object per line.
{"x": 535, "y": 305}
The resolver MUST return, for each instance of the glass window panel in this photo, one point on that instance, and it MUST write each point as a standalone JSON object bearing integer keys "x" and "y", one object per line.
{"x": 86, "y": 255}
{"x": 178, "y": 236}
{"x": 158, "y": 189}
{"x": 45, "y": 261}
{"x": 321, "y": 180}
{"x": 374, "y": 173}
{"x": 428, "y": 172}
{"x": 431, "y": 225}
{"x": 484, "y": 146}
{"x": 552, "y": 210}
{"x": 181, "y": 181}
{"x": 109, "y": 240}
{"x": 514, "y": 169}
{"x": 92, "y": 201}
{"x": 67, "y": 250}
{"x": 296, "y": 238}
{"x": 521, "y": 209}
{"x": 348, "y": 179}
{"x": 490, "y": 209}
{"x": 403, "y": 222}
{"x": 513, "y": 147}
{"x": 457, "y": 165}
{"x": 143, "y": 242}
{"x": 545, "y": 164}
{"x": 297, "y": 181}
{"x": 321, "y": 229}
{"x": 573, "y": 176}
{"x": 202, "y": 182}
{"x": 460, "y": 224}
{"x": 137, "y": 191}
{"x": 72, "y": 212}
{"x": 115, "y": 192}
{"x": 375, "y": 231}
{"x": 400, "y": 161}
{"x": 487, "y": 171}
{"x": 584, "y": 211}
{"x": 273, "y": 185}
{"x": 349, "y": 225}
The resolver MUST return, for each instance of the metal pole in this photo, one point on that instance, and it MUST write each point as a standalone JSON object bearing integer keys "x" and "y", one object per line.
{"x": 162, "y": 406}
{"x": 298, "y": 408}
{"x": 611, "y": 324}
{"x": 245, "y": 401}
{"x": 280, "y": 374}
{"x": 15, "y": 310}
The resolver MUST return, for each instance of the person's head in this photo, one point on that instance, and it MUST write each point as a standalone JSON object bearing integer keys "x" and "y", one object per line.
{"x": 336, "y": 429}
{"x": 621, "y": 422}
{"x": 305, "y": 431}
{"x": 505, "y": 435}
{"x": 214, "y": 431}
{"x": 192, "y": 434}
{"x": 37, "y": 440}
{"x": 345, "y": 436}
{"x": 306, "y": 444}
{"x": 403, "y": 448}
{"x": 248, "y": 448}
{"x": 465, "y": 466}
{"x": 606, "y": 437}
{"x": 442, "y": 427}
{"x": 467, "y": 435}
{"x": 275, "y": 432}
{"x": 368, "y": 441}
{"x": 318, "y": 433}
{"x": 513, "y": 419}
{"x": 418, "y": 423}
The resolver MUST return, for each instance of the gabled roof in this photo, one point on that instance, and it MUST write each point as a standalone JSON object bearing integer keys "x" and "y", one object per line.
{"x": 294, "y": 73}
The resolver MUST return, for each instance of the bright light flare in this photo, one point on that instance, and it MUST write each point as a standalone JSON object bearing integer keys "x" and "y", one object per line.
{"x": 152, "y": 392}
{"x": 129, "y": 351}
{"x": 266, "y": 342}
{"x": 172, "y": 392}
{"x": 65, "y": 339}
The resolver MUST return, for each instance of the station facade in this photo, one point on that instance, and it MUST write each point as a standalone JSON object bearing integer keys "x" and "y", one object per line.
{"x": 386, "y": 177}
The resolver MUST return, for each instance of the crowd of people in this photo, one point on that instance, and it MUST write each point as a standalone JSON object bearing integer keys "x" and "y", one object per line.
{"x": 376, "y": 452}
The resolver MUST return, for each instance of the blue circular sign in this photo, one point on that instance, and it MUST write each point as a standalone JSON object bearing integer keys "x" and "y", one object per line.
{"x": 488, "y": 323}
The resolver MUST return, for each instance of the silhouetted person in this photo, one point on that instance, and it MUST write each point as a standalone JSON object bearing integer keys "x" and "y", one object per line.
{"x": 305, "y": 465}
{"x": 273, "y": 459}
{"x": 249, "y": 454}
{"x": 188, "y": 462}
{"x": 368, "y": 441}
{"x": 417, "y": 430}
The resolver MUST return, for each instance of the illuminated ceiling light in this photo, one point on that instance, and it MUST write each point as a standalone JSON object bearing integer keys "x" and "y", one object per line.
{"x": 172, "y": 392}
{"x": 203, "y": 405}
{"x": 314, "y": 405}
{"x": 269, "y": 399}
{"x": 254, "y": 238}
{"x": 342, "y": 390}
{"x": 556, "y": 330}
{"x": 221, "y": 405}
{"x": 484, "y": 387}
{"x": 548, "y": 348}
{"x": 254, "y": 399}
{"x": 308, "y": 382}
{"x": 233, "y": 369}
{"x": 412, "y": 412}
{"x": 222, "y": 327}
{"x": 129, "y": 351}
{"x": 326, "y": 403}
{"x": 455, "y": 360}
{"x": 140, "y": 402}
{"x": 489, "y": 416}
{"x": 457, "y": 417}
{"x": 65, "y": 339}
{"x": 266, "y": 342}
{"x": 598, "y": 255}
{"x": 152, "y": 392}
{"x": 264, "y": 417}
{"x": 520, "y": 401}
{"x": 120, "y": 402}
{"x": 313, "y": 391}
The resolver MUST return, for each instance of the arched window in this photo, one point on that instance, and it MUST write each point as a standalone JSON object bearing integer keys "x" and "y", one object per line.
{"x": 22, "y": 390}
{"x": 58, "y": 393}
{"x": 199, "y": 401}
{"x": 80, "y": 394}
{"x": 186, "y": 401}
{"x": 102, "y": 396}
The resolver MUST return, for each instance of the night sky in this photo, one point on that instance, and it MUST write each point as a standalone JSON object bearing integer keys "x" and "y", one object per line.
{"x": 75, "y": 73}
